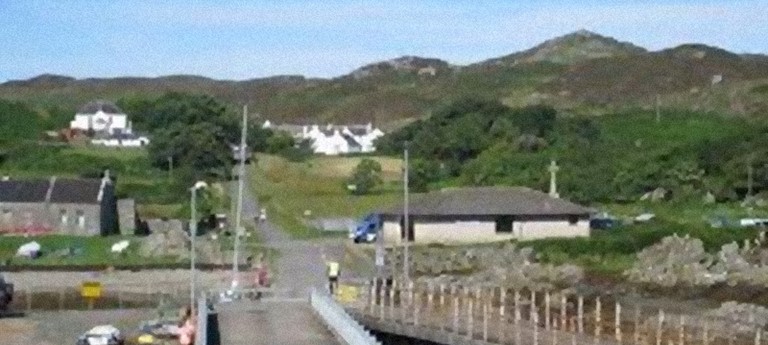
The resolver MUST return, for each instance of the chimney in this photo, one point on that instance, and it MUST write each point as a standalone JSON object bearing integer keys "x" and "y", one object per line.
{"x": 304, "y": 131}
{"x": 369, "y": 127}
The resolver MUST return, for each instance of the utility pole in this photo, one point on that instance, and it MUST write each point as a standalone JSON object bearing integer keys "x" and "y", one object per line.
{"x": 239, "y": 212}
{"x": 750, "y": 179}
{"x": 406, "y": 223}
{"x": 658, "y": 108}
{"x": 170, "y": 167}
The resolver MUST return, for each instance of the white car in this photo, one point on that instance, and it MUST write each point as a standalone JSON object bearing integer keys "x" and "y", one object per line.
{"x": 101, "y": 335}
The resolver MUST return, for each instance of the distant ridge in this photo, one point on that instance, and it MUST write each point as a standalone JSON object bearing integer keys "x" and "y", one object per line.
{"x": 579, "y": 71}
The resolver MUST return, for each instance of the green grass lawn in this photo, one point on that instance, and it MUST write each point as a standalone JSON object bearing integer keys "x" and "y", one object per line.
{"x": 94, "y": 251}
{"x": 289, "y": 189}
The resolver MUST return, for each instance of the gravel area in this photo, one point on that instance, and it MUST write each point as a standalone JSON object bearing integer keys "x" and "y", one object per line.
{"x": 57, "y": 328}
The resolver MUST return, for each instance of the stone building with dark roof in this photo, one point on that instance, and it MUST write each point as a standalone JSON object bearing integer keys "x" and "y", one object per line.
{"x": 484, "y": 214}
{"x": 58, "y": 205}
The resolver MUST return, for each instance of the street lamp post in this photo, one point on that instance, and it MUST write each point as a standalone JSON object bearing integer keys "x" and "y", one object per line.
{"x": 406, "y": 221}
{"x": 192, "y": 235}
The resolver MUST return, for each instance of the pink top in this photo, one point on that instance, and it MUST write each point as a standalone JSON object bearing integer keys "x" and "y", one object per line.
{"x": 187, "y": 332}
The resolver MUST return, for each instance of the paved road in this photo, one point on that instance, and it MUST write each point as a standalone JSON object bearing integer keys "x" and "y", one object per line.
{"x": 272, "y": 322}
{"x": 286, "y": 317}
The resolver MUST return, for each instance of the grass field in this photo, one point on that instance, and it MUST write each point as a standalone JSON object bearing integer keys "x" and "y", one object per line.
{"x": 93, "y": 251}
{"x": 289, "y": 189}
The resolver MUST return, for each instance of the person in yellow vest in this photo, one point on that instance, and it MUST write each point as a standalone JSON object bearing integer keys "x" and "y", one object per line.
{"x": 333, "y": 275}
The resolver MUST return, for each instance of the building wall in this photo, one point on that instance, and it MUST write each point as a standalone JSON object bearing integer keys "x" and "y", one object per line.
{"x": 537, "y": 229}
{"x": 126, "y": 214}
{"x": 483, "y": 229}
{"x": 81, "y": 219}
{"x": 75, "y": 219}
{"x": 463, "y": 231}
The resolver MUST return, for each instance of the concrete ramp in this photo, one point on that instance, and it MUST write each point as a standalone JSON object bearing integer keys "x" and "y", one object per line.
{"x": 268, "y": 322}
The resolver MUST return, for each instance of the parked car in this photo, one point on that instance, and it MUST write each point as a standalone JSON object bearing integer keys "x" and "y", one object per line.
{"x": 367, "y": 229}
{"x": 6, "y": 294}
{"x": 101, "y": 335}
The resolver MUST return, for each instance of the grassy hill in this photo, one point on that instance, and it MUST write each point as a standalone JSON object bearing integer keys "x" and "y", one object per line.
{"x": 580, "y": 72}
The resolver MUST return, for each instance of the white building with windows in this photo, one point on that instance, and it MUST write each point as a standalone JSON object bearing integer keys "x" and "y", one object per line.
{"x": 108, "y": 124}
{"x": 333, "y": 140}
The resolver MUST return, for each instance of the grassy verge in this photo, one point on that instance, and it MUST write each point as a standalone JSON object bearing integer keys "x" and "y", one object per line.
{"x": 89, "y": 251}
{"x": 289, "y": 189}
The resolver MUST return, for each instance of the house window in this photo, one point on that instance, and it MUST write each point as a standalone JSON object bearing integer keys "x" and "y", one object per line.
{"x": 80, "y": 219}
{"x": 504, "y": 224}
{"x": 63, "y": 217}
{"x": 573, "y": 220}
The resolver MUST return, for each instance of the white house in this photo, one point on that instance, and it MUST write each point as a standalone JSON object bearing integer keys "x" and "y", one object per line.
{"x": 109, "y": 124}
{"x": 333, "y": 140}
{"x": 485, "y": 214}
{"x": 101, "y": 117}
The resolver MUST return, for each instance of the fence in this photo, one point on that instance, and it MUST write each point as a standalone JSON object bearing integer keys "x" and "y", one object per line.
{"x": 339, "y": 322}
{"x": 112, "y": 297}
{"x": 454, "y": 314}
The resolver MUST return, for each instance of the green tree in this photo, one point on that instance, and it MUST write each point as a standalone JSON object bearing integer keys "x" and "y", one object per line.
{"x": 202, "y": 147}
{"x": 366, "y": 176}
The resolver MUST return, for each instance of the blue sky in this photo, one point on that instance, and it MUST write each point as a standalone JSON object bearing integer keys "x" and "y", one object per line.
{"x": 250, "y": 39}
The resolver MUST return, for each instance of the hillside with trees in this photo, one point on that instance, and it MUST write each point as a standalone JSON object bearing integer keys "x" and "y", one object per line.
{"x": 614, "y": 158}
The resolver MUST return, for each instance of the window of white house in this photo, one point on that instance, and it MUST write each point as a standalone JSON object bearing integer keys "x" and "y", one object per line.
{"x": 504, "y": 224}
{"x": 63, "y": 216}
{"x": 573, "y": 220}
{"x": 80, "y": 219}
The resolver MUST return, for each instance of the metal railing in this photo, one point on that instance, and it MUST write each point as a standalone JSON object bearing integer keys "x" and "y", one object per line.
{"x": 339, "y": 322}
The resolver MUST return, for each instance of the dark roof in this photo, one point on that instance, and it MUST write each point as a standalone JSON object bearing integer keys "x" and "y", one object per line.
{"x": 65, "y": 191}
{"x": 350, "y": 140}
{"x": 23, "y": 191}
{"x": 94, "y": 107}
{"x": 486, "y": 201}
{"x": 76, "y": 191}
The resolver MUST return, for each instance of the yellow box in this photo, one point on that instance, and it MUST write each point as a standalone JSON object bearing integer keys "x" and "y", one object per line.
{"x": 347, "y": 293}
{"x": 90, "y": 290}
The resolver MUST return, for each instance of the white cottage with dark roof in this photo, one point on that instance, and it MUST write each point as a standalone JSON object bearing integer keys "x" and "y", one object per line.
{"x": 485, "y": 214}
{"x": 101, "y": 117}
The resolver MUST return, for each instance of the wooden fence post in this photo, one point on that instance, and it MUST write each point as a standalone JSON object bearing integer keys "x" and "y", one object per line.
{"x": 470, "y": 317}
{"x": 532, "y": 311}
{"x": 502, "y": 319}
{"x": 636, "y": 328}
{"x": 416, "y": 307}
{"x": 517, "y": 307}
{"x": 430, "y": 304}
{"x": 617, "y": 322}
{"x": 563, "y": 311}
{"x": 392, "y": 300}
{"x": 401, "y": 299}
{"x": 659, "y": 326}
{"x": 535, "y": 319}
{"x": 485, "y": 319}
{"x": 547, "y": 304}
{"x": 410, "y": 294}
{"x": 455, "y": 309}
{"x": 380, "y": 296}
{"x": 681, "y": 331}
{"x": 580, "y": 313}
{"x": 598, "y": 326}
{"x": 371, "y": 295}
